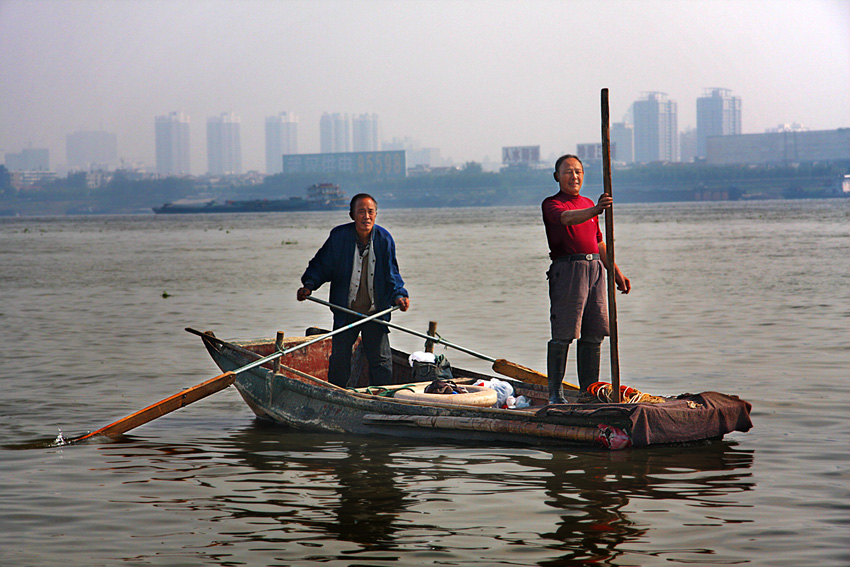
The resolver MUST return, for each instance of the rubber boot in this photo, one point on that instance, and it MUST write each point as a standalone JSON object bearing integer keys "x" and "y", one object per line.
{"x": 556, "y": 365}
{"x": 587, "y": 363}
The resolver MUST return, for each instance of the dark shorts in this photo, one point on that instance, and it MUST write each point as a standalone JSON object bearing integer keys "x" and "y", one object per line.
{"x": 578, "y": 299}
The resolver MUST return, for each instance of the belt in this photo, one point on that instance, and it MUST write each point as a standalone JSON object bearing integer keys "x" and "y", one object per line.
{"x": 574, "y": 257}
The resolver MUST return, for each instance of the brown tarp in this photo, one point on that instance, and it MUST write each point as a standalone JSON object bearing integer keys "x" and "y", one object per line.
{"x": 709, "y": 415}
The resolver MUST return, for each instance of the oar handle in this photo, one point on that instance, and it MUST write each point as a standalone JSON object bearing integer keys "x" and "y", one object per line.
{"x": 400, "y": 328}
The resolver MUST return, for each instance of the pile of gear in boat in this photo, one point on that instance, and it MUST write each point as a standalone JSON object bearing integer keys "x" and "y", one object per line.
{"x": 436, "y": 372}
{"x": 436, "y": 368}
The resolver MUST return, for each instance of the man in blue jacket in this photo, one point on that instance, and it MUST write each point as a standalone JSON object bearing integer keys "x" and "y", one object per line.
{"x": 358, "y": 259}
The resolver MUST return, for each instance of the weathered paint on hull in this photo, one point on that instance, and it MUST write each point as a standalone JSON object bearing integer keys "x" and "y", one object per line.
{"x": 303, "y": 399}
{"x": 299, "y": 403}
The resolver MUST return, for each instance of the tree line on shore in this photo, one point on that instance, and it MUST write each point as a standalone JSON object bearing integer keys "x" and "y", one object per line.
{"x": 468, "y": 185}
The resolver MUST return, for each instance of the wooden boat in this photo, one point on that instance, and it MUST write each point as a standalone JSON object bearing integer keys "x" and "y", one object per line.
{"x": 294, "y": 391}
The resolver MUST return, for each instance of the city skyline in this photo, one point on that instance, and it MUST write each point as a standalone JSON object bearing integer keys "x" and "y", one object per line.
{"x": 656, "y": 138}
{"x": 521, "y": 75}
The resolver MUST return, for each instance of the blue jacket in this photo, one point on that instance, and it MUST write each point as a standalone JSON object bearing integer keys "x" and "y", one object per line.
{"x": 335, "y": 259}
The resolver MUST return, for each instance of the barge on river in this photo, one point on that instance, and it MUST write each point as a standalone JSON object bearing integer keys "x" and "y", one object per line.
{"x": 320, "y": 197}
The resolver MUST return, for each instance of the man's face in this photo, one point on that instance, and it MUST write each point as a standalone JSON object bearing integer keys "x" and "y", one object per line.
{"x": 365, "y": 213}
{"x": 570, "y": 176}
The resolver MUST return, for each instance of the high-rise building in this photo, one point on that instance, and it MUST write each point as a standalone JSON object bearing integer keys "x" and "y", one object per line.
{"x": 622, "y": 142}
{"x": 688, "y": 145}
{"x": 718, "y": 114}
{"x": 281, "y": 140}
{"x": 172, "y": 144}
{"x": 656, "y": 128}
{"x": 91, "y": 150}
{"x": 224, "y": 145}
{"x": 29, "y": 159}
{"x": 335, "y": 133}
{"x": 366, "y": 133}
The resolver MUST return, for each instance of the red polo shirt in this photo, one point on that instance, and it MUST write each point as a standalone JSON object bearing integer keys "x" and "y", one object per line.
{"x": 563, "y": 240}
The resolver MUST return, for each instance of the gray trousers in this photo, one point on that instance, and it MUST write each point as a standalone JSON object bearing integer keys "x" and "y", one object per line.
{"x": 578, "y": 305}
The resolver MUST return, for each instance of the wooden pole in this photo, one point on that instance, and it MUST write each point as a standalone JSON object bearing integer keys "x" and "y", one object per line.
{"x": 432, "y": 331}
{"x": 609, "y": 246}
{"x": 278, "y": 346}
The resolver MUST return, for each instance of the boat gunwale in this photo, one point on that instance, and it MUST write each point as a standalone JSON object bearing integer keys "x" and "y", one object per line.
{"x": 326, "y": 392}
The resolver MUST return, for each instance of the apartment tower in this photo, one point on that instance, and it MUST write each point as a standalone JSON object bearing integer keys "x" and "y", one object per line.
{"x": 718, "y": 114}
{"x": 224, "y": 146}
{"x": 366, "y": 133}
{"x": 171, "y": 133}
{"x": 656, "y": 128}
{"x": 335, "y": 133}
{"x": 281, "y": 140}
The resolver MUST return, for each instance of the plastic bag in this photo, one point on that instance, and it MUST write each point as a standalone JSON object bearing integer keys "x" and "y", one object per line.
{"x": 522, "y": 402}
{"x": 503, "y": 390}
{"x": 516, "y": 403}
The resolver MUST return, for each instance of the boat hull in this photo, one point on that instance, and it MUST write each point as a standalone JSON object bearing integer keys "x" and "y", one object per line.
{"x": 258, "y": 206}
{"x": 299, "y": 396}
{"x": 320, "y": 197}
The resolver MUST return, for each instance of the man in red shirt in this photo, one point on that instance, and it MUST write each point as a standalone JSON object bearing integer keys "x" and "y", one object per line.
{"x": 577, "y": 285}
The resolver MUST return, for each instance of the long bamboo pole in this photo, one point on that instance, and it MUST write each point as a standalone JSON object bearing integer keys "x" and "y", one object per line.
{"x": 609, "y": 247}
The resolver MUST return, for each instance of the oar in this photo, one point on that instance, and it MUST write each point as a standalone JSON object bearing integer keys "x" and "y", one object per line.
{"x": 609, "y": 246}
{"x": 204, "y": 389}
{"x": 502, "y": 366}
{"x": 163, "y": 407}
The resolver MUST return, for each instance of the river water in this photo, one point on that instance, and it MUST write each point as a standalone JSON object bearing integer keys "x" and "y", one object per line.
{"x": 751, "y": 299}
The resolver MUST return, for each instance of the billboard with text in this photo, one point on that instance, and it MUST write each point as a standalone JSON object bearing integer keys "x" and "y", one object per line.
{"x": 515, "y": 155}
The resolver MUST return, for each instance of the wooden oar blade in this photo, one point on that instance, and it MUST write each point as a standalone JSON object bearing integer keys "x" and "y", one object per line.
{"x": 523, "y": 374}
{"x": 159, "y": 409}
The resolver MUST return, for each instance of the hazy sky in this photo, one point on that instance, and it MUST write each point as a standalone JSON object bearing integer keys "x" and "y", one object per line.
{"x": 465, "y": 76}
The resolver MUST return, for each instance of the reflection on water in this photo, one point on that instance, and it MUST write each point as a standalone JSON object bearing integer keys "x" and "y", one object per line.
{"x": 350, "y": 490}
{"x": 385, "y": 499}
{"x": 595, "y": 503}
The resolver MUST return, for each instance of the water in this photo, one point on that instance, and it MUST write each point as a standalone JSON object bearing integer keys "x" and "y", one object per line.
{"x": 750, "y": 299}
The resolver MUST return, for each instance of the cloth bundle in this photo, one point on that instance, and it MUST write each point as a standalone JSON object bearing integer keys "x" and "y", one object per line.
{"x": 427, "y": 367}
{"x": 445, "y": 387}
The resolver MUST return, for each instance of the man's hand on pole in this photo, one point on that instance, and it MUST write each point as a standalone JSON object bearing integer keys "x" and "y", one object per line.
{"x": 303, "y": 293}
